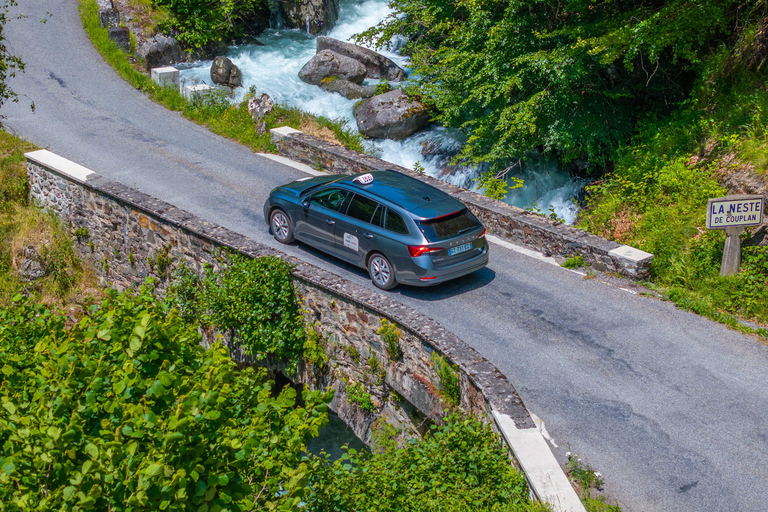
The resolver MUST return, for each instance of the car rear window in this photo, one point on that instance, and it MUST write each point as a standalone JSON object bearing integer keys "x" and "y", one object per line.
{"x": 449, "y": 226}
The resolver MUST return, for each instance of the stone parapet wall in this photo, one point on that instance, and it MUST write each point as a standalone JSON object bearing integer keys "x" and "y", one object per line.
{"x": 501, "y": 219}
{"x": 121, "y": 232}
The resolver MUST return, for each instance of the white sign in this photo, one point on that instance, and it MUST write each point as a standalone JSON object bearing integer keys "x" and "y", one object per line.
{"x": 351, "y": 241}
{"x": 735, "y": 211}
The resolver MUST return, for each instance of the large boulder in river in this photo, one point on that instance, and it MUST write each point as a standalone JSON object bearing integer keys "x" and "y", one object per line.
{"x": 391, "y": 115}
{"x": 349, "y": 90}
{"x": 328, "y": 63}
{"x": 160, "y": 51}
{"x": 224, "y": 72}
{"x": 314, "y": 16}
{"x": 378, "y": 66}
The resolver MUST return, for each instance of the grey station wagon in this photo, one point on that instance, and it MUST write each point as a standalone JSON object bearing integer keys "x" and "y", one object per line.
{"x": 399, "y": 228}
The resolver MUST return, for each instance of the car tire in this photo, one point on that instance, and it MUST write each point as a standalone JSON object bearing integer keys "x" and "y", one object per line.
{"x": 281, "y": 227}
{"x": 382, "y": 272}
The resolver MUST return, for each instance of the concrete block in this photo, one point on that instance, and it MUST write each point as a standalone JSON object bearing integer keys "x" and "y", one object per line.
{"x": 632, "y": 258}
{"x": 167, "y": 76}
{"x": 121, "y": 36}
{"x": 278, "y": 134}
{"x": 192, "y": 92}
{"x": 546, "y": 478}
{"x": 50, "y": 160}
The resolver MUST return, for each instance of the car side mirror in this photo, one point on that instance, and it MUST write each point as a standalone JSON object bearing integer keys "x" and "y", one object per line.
{"x": 305, "y": 203}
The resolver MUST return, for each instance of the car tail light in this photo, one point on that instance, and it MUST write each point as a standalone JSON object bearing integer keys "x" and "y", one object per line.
{"x": 418, "y": 250}
{"x": 483, "y": 233}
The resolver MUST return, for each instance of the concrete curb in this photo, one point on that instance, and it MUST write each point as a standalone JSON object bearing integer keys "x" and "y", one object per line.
{"x": 546, "y": 478}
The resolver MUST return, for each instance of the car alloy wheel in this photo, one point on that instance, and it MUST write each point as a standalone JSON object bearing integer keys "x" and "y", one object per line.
{"x": 281, "y": 227}
{"x": 382, "y": 273}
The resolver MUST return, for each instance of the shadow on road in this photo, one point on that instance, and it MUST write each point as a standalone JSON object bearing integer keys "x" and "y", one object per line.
{"x": 438, "y": 292}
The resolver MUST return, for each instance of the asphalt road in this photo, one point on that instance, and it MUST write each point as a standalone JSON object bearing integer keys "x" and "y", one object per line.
{"x": 669, "y": 407}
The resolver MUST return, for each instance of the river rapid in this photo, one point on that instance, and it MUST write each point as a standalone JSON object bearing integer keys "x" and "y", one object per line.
{"x": 274, "y": 67}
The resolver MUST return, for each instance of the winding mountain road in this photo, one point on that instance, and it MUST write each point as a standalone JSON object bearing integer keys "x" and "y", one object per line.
{"x": 671, "y": 408}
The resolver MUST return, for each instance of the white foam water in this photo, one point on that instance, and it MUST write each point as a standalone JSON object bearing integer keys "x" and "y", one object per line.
{"x": 274, "y": 67}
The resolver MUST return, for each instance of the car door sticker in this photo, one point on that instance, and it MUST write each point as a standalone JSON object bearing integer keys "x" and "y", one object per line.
{"x": 351, "y": 241}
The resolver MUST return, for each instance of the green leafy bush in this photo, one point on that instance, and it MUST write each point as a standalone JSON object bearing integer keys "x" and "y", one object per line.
{"x": 200, "y": 22}
{"x": 124, "y": 410}
{"x": 357, "y": 394}
{"x": 382, "y": 87}
{"x": 749, "y": 294}
{"x": 461, "y": 465}
{"x": 253, "y": 298}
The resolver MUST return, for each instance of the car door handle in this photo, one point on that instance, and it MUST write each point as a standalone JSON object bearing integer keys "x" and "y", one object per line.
{"x": 368, "y": 235}
{"x": 330, "y": 222}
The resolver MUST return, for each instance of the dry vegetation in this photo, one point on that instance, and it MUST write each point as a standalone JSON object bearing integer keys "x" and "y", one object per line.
{"x": 36, "y": 255}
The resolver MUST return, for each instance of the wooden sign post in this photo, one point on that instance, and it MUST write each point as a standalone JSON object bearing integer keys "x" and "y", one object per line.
{"x": 732, "y": 214}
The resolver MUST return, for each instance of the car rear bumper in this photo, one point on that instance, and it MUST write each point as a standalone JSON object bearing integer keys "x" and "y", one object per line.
{"x": 430, "y": 277}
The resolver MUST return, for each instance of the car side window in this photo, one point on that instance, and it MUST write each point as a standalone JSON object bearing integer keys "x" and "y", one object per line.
{"x": 332, "y": 199}
{"x": 362, "y": 208}
{"x": 394, "y": 222}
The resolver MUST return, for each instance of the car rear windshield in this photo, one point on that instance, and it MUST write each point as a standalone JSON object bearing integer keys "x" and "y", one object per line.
{"x": 449, "y": 226}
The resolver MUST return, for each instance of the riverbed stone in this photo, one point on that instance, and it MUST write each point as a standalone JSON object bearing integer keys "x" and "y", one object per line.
{"x": 391, "y": 115}
{"x": 159, "y": 51}
{"x": 349, "y": 90}
{"x": 225, "y": 72}
{"x": 327, "y": 63}
{"x": 377, "y": 65}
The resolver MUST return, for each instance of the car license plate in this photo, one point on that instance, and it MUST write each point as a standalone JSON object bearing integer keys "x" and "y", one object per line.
{"x": 458, "y": 249}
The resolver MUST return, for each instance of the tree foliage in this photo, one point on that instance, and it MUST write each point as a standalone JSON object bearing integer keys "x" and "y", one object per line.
{"x": 124, "y": 410}
{"x": 9, "y": 63}
{"x": 569, "y": 76}
{"x": 459, "y": 466}
{"x": 252, "y": 298}
{"x": 200, "y": 22}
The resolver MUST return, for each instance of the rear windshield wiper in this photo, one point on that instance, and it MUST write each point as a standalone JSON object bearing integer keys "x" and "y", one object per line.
{"x": 465, "y": 230}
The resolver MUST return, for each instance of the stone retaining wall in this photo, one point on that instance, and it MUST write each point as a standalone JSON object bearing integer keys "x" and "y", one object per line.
{"x": 501, "y": 219}
{"x": 122, "y": 232}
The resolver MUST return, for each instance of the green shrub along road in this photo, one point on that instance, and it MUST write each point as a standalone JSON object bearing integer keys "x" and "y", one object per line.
{"x": 125, "y": 410}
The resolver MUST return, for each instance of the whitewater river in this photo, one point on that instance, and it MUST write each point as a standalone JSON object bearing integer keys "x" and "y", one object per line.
{"x": 274, "y": 69}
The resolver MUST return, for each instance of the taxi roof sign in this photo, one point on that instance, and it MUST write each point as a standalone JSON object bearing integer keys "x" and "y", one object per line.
{"x": 364, "y": 179}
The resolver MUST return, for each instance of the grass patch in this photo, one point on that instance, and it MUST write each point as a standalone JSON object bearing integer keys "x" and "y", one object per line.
{"x": 230, "y": 120}
{"x": 574, "y": 262}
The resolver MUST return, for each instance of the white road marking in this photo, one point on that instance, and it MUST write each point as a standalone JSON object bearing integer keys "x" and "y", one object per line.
{"x": 291, "y": 163}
